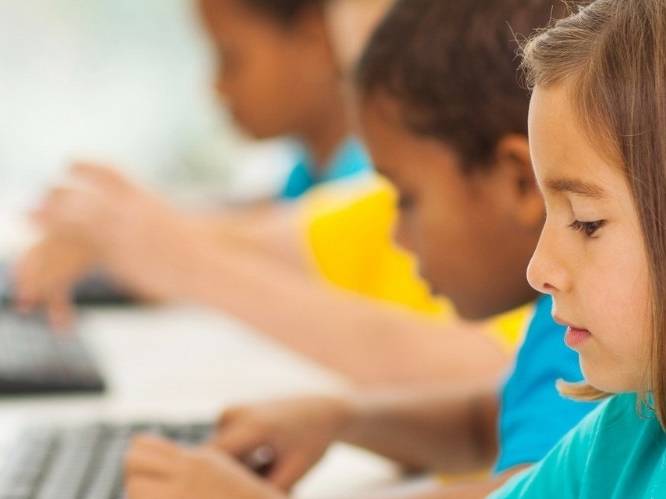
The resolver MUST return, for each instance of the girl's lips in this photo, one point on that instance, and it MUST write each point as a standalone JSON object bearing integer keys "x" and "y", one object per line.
{"x": 576, "y": 337}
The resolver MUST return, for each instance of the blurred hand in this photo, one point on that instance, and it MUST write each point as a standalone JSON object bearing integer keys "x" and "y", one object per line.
{"x": 158, "y": 469}
{"x": 101, "y": 218}
{"x": 47, "y": 273}
{"x": 295, "y": 433}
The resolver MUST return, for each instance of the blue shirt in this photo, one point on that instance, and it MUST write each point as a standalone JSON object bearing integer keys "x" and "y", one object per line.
{"x": 533, "y": 415}
{"x": 616, "y": 452}
{"x": 350, "y": 160}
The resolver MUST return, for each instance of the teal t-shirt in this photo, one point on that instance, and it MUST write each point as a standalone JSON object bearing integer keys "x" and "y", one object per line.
{"x": 350, "y": 160}
{"x": 617, "y": 452}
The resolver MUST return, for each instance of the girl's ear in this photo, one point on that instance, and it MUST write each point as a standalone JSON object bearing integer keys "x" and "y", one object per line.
{"x": 513, "y": 161}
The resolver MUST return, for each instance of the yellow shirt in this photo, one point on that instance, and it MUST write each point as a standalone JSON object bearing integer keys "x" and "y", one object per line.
{"x": 349, "y": 233}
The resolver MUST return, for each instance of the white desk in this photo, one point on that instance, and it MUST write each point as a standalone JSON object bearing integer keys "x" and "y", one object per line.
{"x": 187, "y": 364}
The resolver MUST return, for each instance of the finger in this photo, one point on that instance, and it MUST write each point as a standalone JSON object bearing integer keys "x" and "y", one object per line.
{"x": 142, "y": 487}
{"x": 38, "y": 216}
{"x": 228, "y": 417}
{"x": 100, "y": 176}
{"x": 76, "y": 208}
{"x": 239, "y": 440}
{"x": 146, "y": 461}
{"x": 24, "y": 295}
{"x": 36, "y": 282}
{"x": 56, "y": 197}
{"x": 75, "y": 205}
{"x": 147, "y": 464}
{"x": 59, "y": 310}
{"x": 26, "y": 282}
{"x": 290, "y": 470}
{"x": 148, "y": 442}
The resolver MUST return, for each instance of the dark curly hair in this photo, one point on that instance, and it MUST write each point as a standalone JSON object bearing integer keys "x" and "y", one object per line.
{"x": 453, "y": 66}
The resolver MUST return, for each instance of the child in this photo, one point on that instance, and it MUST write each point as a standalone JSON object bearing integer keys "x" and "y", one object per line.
{"x": 471, "y": 211}
{"x": 278, "y": 75}
{"x": 597, "y": 133}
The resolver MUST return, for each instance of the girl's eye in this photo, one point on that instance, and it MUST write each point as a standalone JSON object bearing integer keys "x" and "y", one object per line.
{"x": 588, "y": 228}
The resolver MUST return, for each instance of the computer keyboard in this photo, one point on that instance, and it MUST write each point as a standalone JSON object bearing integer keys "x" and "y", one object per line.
{"x": 36, "y": 360}
{"x": 80, "y": 462}
{"x": 95, "y": 289}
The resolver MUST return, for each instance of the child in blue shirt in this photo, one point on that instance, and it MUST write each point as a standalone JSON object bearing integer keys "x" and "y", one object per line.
{"x": 597, "y": 122}
{"x": 278, "y": 75}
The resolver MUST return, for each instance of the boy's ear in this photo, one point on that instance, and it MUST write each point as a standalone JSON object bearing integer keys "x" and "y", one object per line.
{"x": 350, "y": 24}
{"x": 514, "y": 162}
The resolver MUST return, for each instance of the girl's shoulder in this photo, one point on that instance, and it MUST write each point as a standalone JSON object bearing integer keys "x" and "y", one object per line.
{"x": 621, "y": 410}
{"x": 598, "y": 448}
{"x": 616, "y": 410}
{"x": 616, "y": 415}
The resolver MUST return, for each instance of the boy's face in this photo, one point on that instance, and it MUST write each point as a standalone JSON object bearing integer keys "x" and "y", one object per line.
{"x": 471, "y": 245}
{"x": 271, "y": 76}
{"x": 590, "y": 257}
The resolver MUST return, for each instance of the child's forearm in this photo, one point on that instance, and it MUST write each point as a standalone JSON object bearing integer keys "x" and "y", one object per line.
{"x": 372, "y": 343}
{"x": 450, "y": 428}
{"x": 270, "y": 229}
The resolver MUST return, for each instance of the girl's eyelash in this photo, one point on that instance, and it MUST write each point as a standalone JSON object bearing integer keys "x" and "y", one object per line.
{"x": 587, "y": 228}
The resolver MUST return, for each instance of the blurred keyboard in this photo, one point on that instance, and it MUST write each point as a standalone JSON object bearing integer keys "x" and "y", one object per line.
{"x": 36, "y": 360}
{"x": 96, "y": 289}
{"x": 79, "y": 463}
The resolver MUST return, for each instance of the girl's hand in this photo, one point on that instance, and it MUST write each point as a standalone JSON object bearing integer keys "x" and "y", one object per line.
{"x": 292, "y": 435}
{"x": 158, "y": 469}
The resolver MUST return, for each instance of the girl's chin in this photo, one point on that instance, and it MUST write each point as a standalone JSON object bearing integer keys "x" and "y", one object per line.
{"x": 609, "y": 379}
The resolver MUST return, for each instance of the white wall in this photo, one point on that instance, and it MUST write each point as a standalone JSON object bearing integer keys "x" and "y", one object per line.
{"x": 123, "y": 81}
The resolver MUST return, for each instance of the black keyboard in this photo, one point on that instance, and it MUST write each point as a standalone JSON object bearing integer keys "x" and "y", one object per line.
{"x": 95, "y": 289}
{"x": 36, "y": 360}
{"x": 80, "y": 463}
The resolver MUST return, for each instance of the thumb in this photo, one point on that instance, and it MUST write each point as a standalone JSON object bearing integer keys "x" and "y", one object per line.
{"x": 290, "y": 469}
{"x": 238, "y": 440}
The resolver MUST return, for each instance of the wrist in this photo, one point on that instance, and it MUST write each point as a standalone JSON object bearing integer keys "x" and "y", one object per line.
{"x": 347, "y": 411}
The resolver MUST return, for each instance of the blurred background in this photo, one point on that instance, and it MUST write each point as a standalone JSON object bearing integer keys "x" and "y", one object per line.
{"x": 127, "y": 83}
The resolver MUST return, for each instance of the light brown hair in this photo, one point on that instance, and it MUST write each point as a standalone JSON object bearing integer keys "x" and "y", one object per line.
{"x": 612, "y": 56}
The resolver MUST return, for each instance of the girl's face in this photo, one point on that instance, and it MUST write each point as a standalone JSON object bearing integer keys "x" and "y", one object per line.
{"x": 591, "y": 256}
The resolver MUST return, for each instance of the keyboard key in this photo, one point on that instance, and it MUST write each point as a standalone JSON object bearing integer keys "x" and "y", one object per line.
{"x": 76, "y": 451}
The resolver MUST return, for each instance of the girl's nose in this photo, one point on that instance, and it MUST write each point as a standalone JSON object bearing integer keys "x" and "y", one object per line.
{"x": 546, "y": 272}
